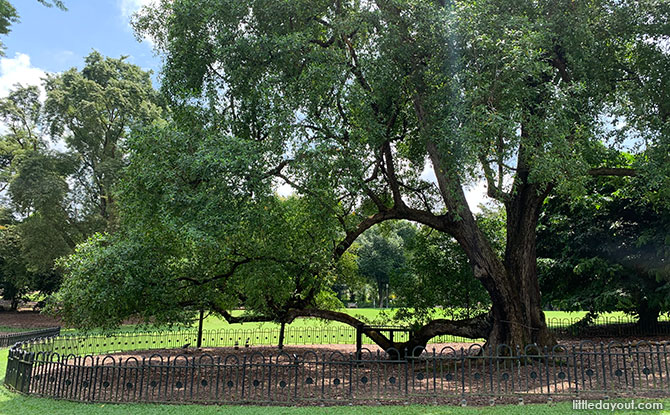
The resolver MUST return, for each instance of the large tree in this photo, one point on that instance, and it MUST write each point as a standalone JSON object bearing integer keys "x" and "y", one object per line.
{"x": 607, "y": 250}
{"x": 59, "y": 197}
{"x": 347, "y": 102}
{"x": 93, "y": 110}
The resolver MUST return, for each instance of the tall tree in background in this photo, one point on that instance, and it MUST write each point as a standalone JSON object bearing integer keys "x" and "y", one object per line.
{"x": 60, "y": 198}
{"x": 93, "y": 110}
{"x": 34, "y": 178}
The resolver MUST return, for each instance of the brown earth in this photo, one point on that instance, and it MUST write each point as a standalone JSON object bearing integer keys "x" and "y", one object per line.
{"x": 26, "y": 320}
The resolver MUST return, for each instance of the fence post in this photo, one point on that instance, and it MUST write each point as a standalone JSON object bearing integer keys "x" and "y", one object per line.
{"x": 244, "y": 373}
{"x": 602, "y": 359}
{"x": 574, "y": 364}
{"x": 351, "y": 377}
{"x": 463, "y": 373}
{"x": 406, "y": 373}
{"x": 297, "y": 371}
{"x": 359, "y": 341}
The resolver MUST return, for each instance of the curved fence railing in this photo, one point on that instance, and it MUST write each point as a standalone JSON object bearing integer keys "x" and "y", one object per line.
{"x": 83, "y": 371}
{"x": 7, "y": 339}
{"x": 115, "y": 342}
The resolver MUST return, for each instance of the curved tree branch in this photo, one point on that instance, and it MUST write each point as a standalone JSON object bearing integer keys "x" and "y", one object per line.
{"x": 614, "y": 171}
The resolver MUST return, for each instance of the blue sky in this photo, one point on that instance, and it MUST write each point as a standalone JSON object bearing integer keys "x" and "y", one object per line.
{"x": 51, "y": 40}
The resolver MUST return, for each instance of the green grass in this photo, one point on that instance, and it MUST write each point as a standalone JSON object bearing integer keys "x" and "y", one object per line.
{"x": 554, "y": 319}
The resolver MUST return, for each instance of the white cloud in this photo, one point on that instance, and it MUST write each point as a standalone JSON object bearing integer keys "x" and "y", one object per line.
{"x": 475, "y": 193}
{"x": 130, "y": 7}
{"x": 19, "y": 70}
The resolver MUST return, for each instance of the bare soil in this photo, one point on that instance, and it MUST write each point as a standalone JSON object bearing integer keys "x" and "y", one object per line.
{"x": 27, "y": 320}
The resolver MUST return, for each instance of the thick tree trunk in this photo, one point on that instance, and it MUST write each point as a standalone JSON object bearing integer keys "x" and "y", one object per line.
{"x": 647, "y": 316}
{"x": 517, "y": 318}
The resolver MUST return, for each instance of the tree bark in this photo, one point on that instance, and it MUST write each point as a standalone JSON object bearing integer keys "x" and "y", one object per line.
{"x": 647, "y": 316}
{"x": 282, "y": 330}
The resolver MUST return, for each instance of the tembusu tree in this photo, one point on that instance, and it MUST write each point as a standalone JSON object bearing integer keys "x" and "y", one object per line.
{"x": 349, "y": 101}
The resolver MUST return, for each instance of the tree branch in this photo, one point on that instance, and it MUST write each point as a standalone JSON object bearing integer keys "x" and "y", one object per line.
{"x": 613, "y": 171}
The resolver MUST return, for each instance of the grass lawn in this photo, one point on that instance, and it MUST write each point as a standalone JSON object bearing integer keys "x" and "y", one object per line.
{"x": 13, "y": 403}
{"x": 554, "y": 319}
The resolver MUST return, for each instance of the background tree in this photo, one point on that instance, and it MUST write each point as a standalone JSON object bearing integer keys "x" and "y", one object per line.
{"x": 607, "y": 251}
{"x": 381, "y": 257}
{"x": 93, "y": 110}
{"x": 14, "y": 277}
{"x": 58, "y": 198}
{"x": 439, "y": 279}
{"x": 35, "y": 179}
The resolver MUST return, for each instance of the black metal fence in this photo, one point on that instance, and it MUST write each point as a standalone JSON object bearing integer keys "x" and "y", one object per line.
{"x": 245, "y": 375}
{"x": 7, "y": 339}
{"x": 607, "y": 326}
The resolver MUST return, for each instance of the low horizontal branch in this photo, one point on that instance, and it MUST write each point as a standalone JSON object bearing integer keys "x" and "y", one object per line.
{"x": 613, "y": 171}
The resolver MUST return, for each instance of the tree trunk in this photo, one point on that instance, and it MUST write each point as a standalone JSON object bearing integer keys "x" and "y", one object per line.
{"x": 380, "y": 294}
{"x": 647, "y": 316}
{"x": 517, "y": 318}
{"x": 282, "y": 331}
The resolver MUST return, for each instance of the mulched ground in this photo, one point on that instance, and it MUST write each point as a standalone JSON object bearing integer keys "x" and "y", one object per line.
{"x": 26, "y": 320}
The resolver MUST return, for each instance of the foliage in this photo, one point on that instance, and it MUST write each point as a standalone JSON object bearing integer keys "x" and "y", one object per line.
{"x": 381, "y": 257}
{"x": 347, "y": 101}
{"x": 93, "y": 110}
{"x": 607, "y": 251}
{"x": 8, "y": 16}
{"x": 439, "y": 275}
{"x": 62, "y": 197}
{"x": 217, "y": 243}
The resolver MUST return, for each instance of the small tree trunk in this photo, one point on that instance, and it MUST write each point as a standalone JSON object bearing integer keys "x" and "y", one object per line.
{"x": 380, "y": 295}
{"x": 200, "y": 321}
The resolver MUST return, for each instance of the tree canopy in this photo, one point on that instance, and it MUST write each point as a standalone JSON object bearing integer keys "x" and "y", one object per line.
{"x": 350, "y": 103}
{"x": 607, "y": 251}
{"x": 57, "y": 196}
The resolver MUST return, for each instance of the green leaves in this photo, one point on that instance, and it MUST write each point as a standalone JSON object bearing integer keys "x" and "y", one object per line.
{"x": 607, "y": 250}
